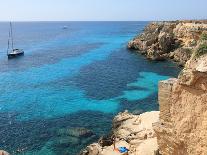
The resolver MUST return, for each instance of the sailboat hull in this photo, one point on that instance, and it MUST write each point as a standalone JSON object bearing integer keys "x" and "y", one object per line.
{"x": 15, "y": 53}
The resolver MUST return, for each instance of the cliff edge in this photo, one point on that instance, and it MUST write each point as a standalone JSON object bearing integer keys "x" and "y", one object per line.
{"x": 182, "y": 128}
{"x": 174, "y": 40}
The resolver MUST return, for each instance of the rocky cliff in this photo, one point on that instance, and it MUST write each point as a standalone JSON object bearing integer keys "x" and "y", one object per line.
{"x": 182, "y": 129}
{"x": 174, "y": 40}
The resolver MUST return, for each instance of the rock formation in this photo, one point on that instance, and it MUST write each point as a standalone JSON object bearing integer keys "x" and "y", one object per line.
{"x": 134, "y": 132}
{"x": 170, "y": 40}
{"x": 182, "y": 129}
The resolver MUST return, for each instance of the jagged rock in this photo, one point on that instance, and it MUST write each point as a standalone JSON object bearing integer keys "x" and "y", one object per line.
{"x": 166, "y": 42}
{"x": 117, "y": 121}
{"x": 181, "y": 55}
{"x": 195, "y": 73}
{"x": 105, "y": 141}
{"x": 134, "y": 132}
{"x": 182, "y": 128}
{"x": 169, "y": 40}
{"x": 154, "y": 55}
{"x": 93, "y": 149}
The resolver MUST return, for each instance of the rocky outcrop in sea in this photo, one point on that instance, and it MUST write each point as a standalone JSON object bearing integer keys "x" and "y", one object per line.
{"x": 176, "y": 40}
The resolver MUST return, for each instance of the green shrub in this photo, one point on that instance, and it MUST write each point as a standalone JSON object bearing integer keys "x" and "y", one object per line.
{"x": 204, "y": 36}
{"x": 188, "y": 50}
{"x": 193, "y": 43}
{"x": 201, "y": 50}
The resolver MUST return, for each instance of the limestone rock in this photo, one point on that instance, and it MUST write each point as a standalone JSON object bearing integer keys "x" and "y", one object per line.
{"x": 182, "y": 128}
{"x": 182, "y": 55}
{"x": 134, "y": 132}
{"x": 93, "y": 149}
{"x": 166, "y": 41}
{"x": 174, "y": 40}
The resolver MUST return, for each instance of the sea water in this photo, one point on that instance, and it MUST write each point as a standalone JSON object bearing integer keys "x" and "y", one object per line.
{"x": 79, "y": 77}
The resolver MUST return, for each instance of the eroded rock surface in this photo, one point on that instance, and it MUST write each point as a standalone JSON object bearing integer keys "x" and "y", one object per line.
{"x": 134, "y": 132}
{"x": 169, "y": 40}
{"x": 182, "y": 129}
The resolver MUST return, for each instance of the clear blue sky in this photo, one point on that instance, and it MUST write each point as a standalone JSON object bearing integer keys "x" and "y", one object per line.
{"x": 102, "y": 10}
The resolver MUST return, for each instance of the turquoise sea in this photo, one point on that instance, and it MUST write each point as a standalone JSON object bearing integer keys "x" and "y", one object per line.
{"x": 70, "y": 79}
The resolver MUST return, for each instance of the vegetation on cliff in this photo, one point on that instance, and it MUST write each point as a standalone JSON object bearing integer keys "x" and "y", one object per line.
{"x": 171, "y": 40}
{"x": 201, "y": 50}
{"x": 204, "y": 36}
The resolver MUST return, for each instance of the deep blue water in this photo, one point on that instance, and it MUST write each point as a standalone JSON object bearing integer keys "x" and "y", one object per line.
{"x": 78, "y": 77}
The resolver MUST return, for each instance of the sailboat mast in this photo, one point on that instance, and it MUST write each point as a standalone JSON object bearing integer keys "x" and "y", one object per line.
{"x": 11, "y": 34}
{"x": 8, "y": 45}
{"x": 14, "y": 52}
{"x": 8, "y": 48}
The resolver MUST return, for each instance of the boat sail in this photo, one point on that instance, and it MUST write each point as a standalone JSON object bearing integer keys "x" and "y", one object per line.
{"x": 11, "y": 51}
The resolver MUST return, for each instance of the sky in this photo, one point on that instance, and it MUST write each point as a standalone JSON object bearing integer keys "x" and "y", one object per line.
{"x": 101, "y": 10}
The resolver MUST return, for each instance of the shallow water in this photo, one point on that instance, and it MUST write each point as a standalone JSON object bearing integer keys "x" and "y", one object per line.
{"x": 78, "y": 77}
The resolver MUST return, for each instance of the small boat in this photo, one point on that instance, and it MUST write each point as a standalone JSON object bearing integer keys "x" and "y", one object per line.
{"x": 65, "y": 27}
{"x": 11, "y": 51}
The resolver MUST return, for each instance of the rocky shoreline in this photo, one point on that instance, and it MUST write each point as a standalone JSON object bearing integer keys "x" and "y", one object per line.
{"x": 176, "y": 40}
{"x": 180, "y": 128}
{"x": 135, "y": 132}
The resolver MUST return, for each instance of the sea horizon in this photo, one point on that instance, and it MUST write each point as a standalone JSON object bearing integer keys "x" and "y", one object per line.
{"x": 156, "y": 20}
{"x": 110, "y": 77}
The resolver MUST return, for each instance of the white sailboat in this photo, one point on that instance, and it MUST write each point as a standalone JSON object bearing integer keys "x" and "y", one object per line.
{"x": 11, "y": 51}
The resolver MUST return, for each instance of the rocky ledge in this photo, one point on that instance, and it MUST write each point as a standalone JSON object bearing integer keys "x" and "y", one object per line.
{"x": 176, "y": 40}
{"x": 134, "y": 132}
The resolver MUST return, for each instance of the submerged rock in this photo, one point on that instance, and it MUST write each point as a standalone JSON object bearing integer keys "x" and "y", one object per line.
{"x": 72, "y": 137}
{"x": 75, "y": 132}
{"x": 67, "y": 141}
